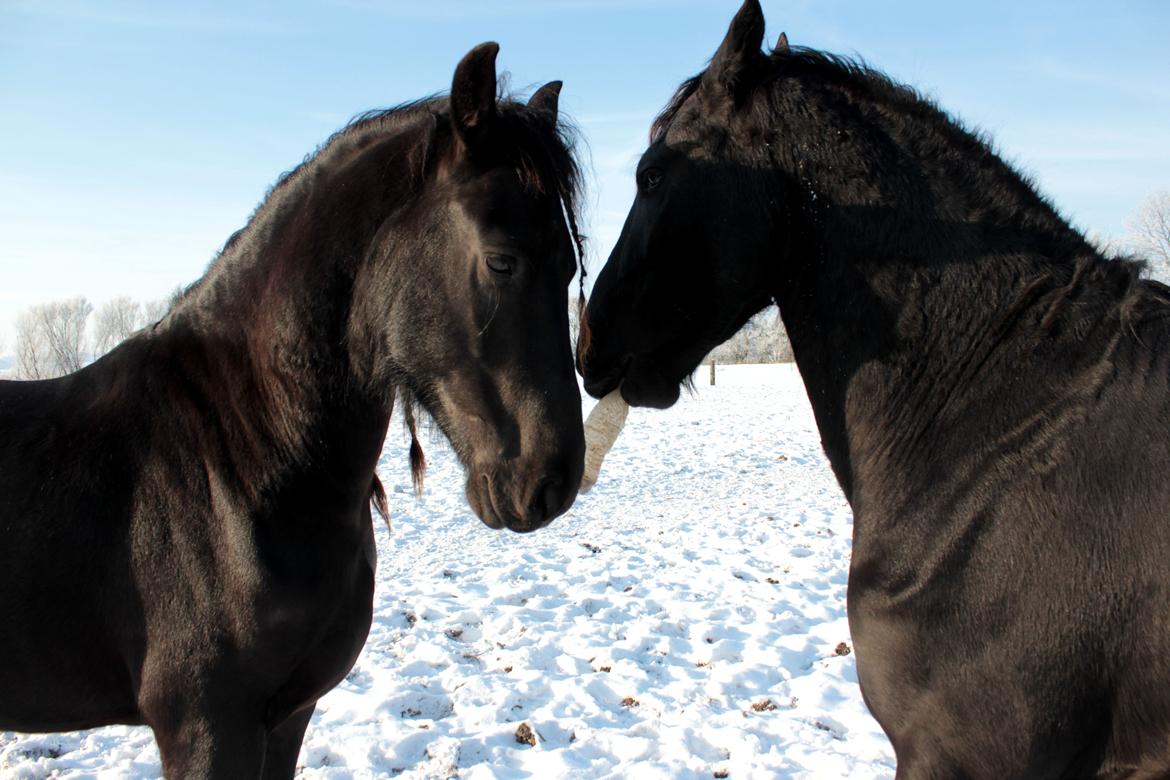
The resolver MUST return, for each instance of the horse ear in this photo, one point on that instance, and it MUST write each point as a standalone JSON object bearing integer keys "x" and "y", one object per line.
{"x": 473, "y": 93}
{"x": 545, "y": 100}
{"x": 739, "y": 51}
{"x": 782, "y": 44}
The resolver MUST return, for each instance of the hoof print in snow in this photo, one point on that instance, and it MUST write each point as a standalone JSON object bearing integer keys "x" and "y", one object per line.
{"x": 841, "y": 649}
{"x": 629, "y": 701}
{"x": 525, "y": 735}
{"x": 763, "y": 705}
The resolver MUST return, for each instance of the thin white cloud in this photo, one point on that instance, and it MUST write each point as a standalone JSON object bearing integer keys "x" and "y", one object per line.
{"x": 449, "y": 10}
{"x": 154, "y": 16}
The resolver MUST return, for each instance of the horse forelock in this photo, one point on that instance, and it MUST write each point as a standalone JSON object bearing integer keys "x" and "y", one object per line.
{"x": 545, "y": 160}
{"x": 542, "y": 155}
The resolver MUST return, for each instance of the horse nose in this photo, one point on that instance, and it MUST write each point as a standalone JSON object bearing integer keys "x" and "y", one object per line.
{"x": 550, "y": 498}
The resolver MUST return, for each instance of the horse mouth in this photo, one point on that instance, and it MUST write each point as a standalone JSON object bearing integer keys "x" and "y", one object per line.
{"x": 493, "y": 506}
{"x": 652, "y": 392}
{"x": 639, "y": 387}
{"x": 602, "y": 384}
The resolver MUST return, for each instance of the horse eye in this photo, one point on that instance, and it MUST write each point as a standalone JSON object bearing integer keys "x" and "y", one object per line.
{"x": 500, "y": 264}
{"x": 651, "y": 178}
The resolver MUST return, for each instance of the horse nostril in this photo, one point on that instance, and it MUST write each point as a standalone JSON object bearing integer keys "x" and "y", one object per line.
{"x": 546, "y": 501}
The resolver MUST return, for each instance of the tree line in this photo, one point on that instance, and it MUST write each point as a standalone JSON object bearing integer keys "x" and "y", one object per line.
{"x": 762, "y": 340}
{"x": 57, "y": 338}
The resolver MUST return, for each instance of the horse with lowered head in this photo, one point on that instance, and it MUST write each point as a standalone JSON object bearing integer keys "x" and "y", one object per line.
{"x": 186, "y": 523}
{"x": 992, "y": 393}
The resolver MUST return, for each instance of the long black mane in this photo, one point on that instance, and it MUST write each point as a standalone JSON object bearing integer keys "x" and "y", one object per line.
{"x": 543, "y": 158}
{"x": 421, "y": 130}
{"x": 1007, "y": 196}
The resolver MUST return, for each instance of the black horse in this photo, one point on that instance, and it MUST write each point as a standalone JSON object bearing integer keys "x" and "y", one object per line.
{"x": 185, "y": 525}
{"x": 991, "y": 392}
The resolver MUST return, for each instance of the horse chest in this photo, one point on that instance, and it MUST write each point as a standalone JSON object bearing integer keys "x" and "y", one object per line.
{"x": 317, "y": 634}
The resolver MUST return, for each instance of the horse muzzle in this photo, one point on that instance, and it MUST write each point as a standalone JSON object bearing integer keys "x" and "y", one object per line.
{"x": 523, "y": 505}
{"x": 639, "y": 386}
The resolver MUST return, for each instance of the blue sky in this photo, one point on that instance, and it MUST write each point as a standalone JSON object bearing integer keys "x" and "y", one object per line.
{"x": 135, "y": 137}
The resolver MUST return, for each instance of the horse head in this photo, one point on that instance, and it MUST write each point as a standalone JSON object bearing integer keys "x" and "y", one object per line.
{"x": 685, "y": 274}
{"x": 477, "y": 332}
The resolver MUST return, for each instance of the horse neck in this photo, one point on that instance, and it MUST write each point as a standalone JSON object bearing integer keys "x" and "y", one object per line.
{"x": 913, "y": 268}
{"x": 264, "y": 331}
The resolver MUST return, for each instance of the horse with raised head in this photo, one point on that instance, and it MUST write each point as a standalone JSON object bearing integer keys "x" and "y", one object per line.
{"x": 992, "y": 394}
{"x": 186, "y": 538}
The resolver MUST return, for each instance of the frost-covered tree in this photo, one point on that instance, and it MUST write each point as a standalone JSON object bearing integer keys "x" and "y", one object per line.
{"x": 153, "y": 311}
{"x": 762, "y": 339}
{"x": 574, "y": 320}
{"x": 50, "y": 339}
{"x": 1148, "y": 232}
{"x": 114, "y": 322}
{"x": 32, "y": 358}
{"x": 1106, "y": 244}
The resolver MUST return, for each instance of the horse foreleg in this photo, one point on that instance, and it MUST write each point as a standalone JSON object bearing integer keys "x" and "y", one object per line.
{"x": 284, "y": 746}
{"x": 198, "y": 746}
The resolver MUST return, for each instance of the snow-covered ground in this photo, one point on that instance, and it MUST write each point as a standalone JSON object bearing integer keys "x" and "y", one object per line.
{"x": 686, "y": 619}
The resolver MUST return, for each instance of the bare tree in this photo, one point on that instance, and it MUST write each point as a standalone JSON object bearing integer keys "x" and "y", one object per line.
{"x": 1106, "y": 244}
{"x": 114, "y": 322}
{"x": 762, "y": 339}
{"x": 1148, "y": 231}
{"x": 153, "y": 311}
{"x": 32, "y": 354}
{"x": 50, "y": 338}
{"x": 574, "y": 320}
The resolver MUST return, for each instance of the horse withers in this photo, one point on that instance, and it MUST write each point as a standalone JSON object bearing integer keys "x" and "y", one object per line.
{"x": 186, "y": 538}
{"x": 992, "y": 394}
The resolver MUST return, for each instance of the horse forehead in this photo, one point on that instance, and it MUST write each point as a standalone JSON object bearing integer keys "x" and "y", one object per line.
{"x": 694, "y": 136}
{"x": 500, "y": 196}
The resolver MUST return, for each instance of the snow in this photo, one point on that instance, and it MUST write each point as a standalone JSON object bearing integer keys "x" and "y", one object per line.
{"x": 685, "y": 619}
